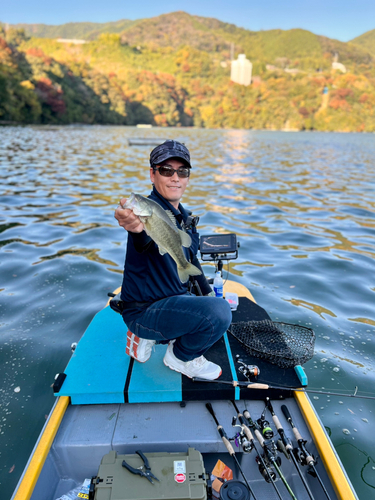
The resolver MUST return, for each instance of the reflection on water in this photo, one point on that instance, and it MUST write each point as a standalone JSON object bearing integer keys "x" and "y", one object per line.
{"x": 301, "y": 204}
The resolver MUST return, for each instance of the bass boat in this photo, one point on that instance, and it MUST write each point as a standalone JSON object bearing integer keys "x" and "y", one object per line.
{"x": 142, "y": 431}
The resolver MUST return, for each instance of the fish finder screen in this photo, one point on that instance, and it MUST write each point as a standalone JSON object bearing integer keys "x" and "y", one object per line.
{"x": 218, "y": 244}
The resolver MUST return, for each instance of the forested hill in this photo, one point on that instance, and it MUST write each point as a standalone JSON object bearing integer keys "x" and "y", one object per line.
{"x": 207, "y": 34}
{"x": 84, "y": 31}
{"x": 366, "y": 41}
{"x": 174, "y": 70}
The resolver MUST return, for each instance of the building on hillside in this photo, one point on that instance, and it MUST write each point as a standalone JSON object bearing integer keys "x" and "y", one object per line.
{"x": 75, "y": 41}
{"x": 241, "y": 70}
{"x": 337, "y": 65}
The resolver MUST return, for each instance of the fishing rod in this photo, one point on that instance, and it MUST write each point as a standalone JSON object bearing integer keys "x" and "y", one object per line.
{"x": 288, "y": 446}
{"x": 228, "y": 446}
{"x": 256, "y": 385}
{"x": 308, "y": 459}
{"x": 268, "y": 475}
{"x": 269, "y": 452}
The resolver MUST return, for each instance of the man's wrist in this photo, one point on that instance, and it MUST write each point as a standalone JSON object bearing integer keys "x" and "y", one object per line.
{"x": 141, "y": 240}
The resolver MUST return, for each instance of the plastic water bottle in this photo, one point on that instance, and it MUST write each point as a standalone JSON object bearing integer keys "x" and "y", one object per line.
{"x": 77, "y": 493}
{"x": 71, "y": 495}
{"x": 218, "y": 285}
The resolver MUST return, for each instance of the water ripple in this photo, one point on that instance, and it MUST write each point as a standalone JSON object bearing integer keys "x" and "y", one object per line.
{"x": 302, "y": 206}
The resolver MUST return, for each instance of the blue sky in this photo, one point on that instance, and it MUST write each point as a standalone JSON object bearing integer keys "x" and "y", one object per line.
{"x": 340, "y": 19}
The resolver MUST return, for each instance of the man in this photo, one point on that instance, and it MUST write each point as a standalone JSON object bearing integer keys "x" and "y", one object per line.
{"x": 157, "y": 306}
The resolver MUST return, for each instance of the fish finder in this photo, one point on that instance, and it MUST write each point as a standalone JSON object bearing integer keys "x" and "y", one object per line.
{"x": 218, "y": 247}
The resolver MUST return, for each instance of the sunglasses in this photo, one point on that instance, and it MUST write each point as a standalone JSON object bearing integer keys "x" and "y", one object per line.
{"x": 167, "y": 171}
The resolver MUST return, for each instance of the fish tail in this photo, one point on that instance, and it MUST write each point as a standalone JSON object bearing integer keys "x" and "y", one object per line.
{"x": 189, "y": 270}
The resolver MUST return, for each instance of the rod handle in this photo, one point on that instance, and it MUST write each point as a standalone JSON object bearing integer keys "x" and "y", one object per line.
{"x": 259, "y": 437}
{"x": 247, "y": 432}
{"x": 257, "y": 386}
{"x": 226, "y": 442}
{"x": 297, "y": 435}
{"x": 310, "y": 459}
{"x": 276, "y": 421}
{"x": 245, "y": 428}
{"x": 287, "y": 415}
{"x": 246, "y": 414}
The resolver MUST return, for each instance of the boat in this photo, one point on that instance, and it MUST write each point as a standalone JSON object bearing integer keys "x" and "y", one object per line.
{"x": 145, "y": 141}
{"x": 109, "y": 407}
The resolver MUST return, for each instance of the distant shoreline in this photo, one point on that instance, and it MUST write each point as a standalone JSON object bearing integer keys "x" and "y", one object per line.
{"x": 54, "y": 126}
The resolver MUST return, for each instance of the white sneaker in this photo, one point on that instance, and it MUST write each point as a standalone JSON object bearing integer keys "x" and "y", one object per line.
{"x": 198, "y": 367}
{"x": 137, "y": 348}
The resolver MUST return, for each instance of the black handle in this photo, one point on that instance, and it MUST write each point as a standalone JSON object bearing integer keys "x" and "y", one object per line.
{"x": 144, "y": 458}
{"x": 131, "y": 469}
{"x": 269, "y": 406}
{"x": 287, "y": 415}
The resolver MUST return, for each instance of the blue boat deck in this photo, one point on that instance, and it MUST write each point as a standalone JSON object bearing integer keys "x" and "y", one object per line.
{"x": 100, "y": 372}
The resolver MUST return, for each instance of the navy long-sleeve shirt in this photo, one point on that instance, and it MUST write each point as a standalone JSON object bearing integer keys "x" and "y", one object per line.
{"x": 150, "y": 276}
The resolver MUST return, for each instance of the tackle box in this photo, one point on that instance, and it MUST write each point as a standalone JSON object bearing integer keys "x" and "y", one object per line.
{"x": 181, "y": 477}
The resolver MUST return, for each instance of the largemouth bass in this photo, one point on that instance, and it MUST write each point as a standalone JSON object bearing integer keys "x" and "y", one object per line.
{"x": 161, "y": 226}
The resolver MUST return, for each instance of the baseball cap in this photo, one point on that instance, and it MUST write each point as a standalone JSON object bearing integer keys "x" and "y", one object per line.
{"x": 169, "y": 149}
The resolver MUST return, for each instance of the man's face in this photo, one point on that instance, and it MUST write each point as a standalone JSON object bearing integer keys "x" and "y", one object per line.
{"x": 171, "y": 188}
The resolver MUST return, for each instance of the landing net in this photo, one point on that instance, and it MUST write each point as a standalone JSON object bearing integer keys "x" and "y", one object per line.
{"x": 279, "y": 343}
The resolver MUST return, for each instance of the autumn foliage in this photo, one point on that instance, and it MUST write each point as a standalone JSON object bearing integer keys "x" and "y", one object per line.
{"x": 174, "y": 70}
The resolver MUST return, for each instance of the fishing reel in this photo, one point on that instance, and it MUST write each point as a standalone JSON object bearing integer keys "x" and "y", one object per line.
{"x": 240, "y": 438}
{"x": 267, "y": 472}
{"x": 248, "y": 371}
{"x": 263, "y": 426}
{"x": 267, "y": 431}
{"x": 301, "y": 455}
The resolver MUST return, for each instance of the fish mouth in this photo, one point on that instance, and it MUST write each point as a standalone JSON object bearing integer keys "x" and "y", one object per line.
{"x": 130, "y": 202}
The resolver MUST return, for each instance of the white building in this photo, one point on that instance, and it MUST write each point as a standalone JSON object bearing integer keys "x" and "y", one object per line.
{"x": 75, "y": 41}
{"x": 339, "y": 66}
{"x": 241, "y": 70}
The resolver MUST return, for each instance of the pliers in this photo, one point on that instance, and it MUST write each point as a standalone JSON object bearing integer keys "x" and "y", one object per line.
{"x": 146, "y": 473}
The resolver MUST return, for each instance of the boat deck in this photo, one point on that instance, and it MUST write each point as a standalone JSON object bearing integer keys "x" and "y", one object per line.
{"x": 99, "y": 371}
{"x": 108, "y": 402}
{"x": 87, "y": 434}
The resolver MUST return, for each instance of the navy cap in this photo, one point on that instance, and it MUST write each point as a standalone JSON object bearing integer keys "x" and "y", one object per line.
{"x": 169, "y": 149}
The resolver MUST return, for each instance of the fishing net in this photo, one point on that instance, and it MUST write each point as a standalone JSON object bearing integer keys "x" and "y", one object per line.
{"x": 281, "y": 344}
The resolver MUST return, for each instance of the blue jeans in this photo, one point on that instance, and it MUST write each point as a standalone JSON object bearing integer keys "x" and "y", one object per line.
{"x": 195, "y": 322}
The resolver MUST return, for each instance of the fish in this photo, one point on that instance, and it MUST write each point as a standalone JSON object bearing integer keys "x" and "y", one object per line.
{"x": 161, "y": 226}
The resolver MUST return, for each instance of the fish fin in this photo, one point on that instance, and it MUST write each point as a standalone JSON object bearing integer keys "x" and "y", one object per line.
{"x": 190, "y": 270}
{"x": 171, "y": 217}
{"x": 185, "y": 238}
{"x": 162, "y": 250}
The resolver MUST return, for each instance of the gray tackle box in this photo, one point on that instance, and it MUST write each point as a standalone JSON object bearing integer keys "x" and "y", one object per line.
{"x": 181, "y": 477}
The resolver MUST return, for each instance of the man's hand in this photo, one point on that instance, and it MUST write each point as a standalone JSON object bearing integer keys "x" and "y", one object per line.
{"x": 127, "y": 219}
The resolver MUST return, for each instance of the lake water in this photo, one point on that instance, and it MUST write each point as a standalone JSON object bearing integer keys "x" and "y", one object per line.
{"x": 302, "y": 206}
